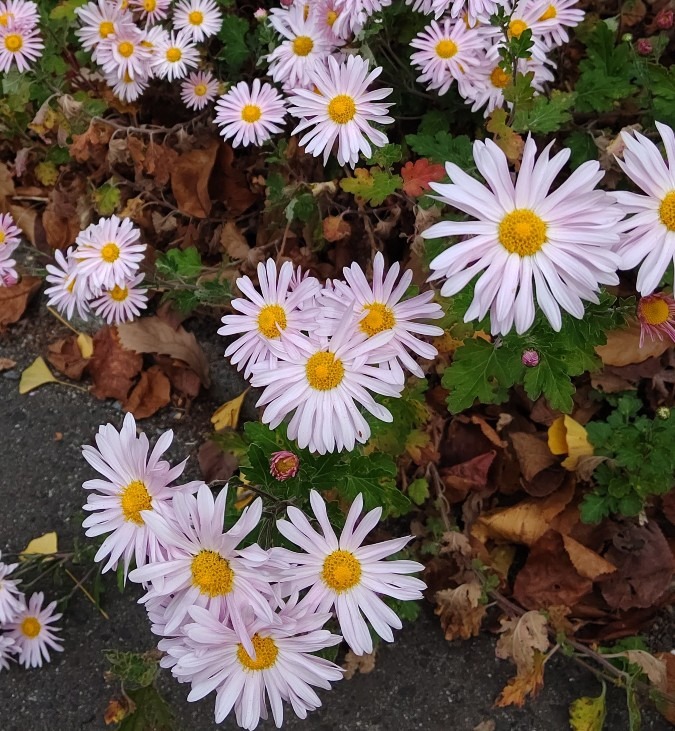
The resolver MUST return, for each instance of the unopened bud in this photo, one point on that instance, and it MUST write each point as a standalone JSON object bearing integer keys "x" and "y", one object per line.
{"x": 644, "y": 46}
{"x": 665, "y": 19}
{"x": 627, "y": 37}
{"x": 663, "y": 412}
{"x": 287, "y": 3}
{"x": 284, "y": 465}
{"x": 530, "y": 358}
{"x": 260, "y": 14}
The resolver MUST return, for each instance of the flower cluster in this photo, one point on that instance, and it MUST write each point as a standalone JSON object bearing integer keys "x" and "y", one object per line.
{"x": 524, "y": 240}
{"x": 26, "y": 627}
{"x": 320, "y": 352}
{"x": 20, "y": 40}
{"x": 462, "y": 46}
{"x": 233, "y": 617}
{"x": 100, "y": 273}
{"x": 10, "y": 237}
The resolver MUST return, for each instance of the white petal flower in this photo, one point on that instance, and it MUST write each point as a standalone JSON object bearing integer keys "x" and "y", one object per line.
{"x": 173, "y": 55}
{"x": 198, "y": 89}
{"x": 8, "y": 649}
{"x": 99, "y": 20}
{"x": 122, "y": 304}
{"x": 151, "y": 11}
{"x": 10, "y": 596}
{"x": 19, "y": 45}
{"x": 10, "y": 234}
{"x": 124, "y": 53}
{"x": 19, "y": 13}
{"x": 201, "y": 18}
{"x": 68, "y": 290}
{"x": 32, "y": 632}
{"x": 353, "y": 15}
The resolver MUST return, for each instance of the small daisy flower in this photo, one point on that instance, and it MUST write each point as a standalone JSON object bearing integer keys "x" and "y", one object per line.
{"x": 564, "y": 14}
{"x": 650, "y": 237}
{"x": 656, "y": 314}
{"x": 379, "y": 308}
{"x": 447, "y": 50}
{"x": 250, "y": 116}
{"x": 151, "y": 11}
{"x": 198, "y": 89}
{"x": 174, "y": 55}
{"x": 200, "y": 18}
{"x": 529, "y": 15}
{"x": 327, "y": 12}
{"x": 124, "y": 54}
{"x": 304, "y": 50}
{"x": 100, "y": 20}
{"x": 10, "y": 233}
{"x": 204, "y": 566}
{"x": 128, "y": 88}
{"x": 19, "y": 13}
{"x": 33, "y": 633}
{"x": 421, "y": 6}
{"x": 321, "y": 384}
{"x": 347, "y": 576}
{"x": 68, "y": 290}
{"x": 563, "y": 241}
{"x": 122, "y": 304}
{"x": 20, "y": 46}
{"x": 108, "y": 252}
{"x": 471, "y": 9}
{"x": 10, "y": 596}
{"x": 8, "y": 649}
{"x": 265, "y": 316}
{"x": 134, "y": 483}
{"x": 353, "y": 15}
{"x": 341, "y": 110}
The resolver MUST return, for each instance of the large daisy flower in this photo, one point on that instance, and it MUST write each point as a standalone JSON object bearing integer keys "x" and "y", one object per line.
{"x": 322, "y": 383}
{"x": 8, "y": 649}
{"x": 10, "y": 595}
{"x": 134, "y": 483}
{"x": 265, "y": 315}
{"x": 347, "y": 576}
{"x": 124, "y": 53}
{"x": 198, "y": 89}
{"x": 22, "y": 13}
{"x": 99, "y": 20}
{"x": 249, "y": 116}
{"x": 19, "y": 45}
{"x": 173, "y": 55}
{"x": 68, "y": 291}
{"x": 472, "y": 9}
{"x": 563, "y": 241}
{"x": 651, "y": 231}
{"x": 381, "y": 307}
{"x": 8, "y": 274}
{"x": 201, "y": 18}
{"x": 341, "y": 110}
{"x": 564, "y": 14}
{"x": 281, "y": 667}
{"x": 32, "y": 632}
{"x": 122, "y": 304}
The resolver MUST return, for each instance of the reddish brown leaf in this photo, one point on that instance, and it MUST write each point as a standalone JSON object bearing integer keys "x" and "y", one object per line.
{"x": 229, "y": 184}
{"x": 529, "y": 683}
{"x": 470, "y": 475}
{"x": 113, "y": 368}
{"x": 335, "y": 228}
{"x": 149, "y": 395}
{"x": 214, "y": 463}
{"x": 623, "y": 347}
{"x": 533, "y": 453}
{"x": 417, "y": 176}
{"x": 183, "y": 379}
{"x": 15, "y": 299}
{"x": 92, "y": 144}
{"x": 190, "y": 175}
{"x": 65, "y": 356}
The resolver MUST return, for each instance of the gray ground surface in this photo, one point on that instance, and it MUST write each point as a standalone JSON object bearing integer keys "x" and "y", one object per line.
{"x": 421, "y": 682}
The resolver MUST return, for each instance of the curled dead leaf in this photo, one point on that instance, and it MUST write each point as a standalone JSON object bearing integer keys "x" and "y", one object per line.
{"x": 358, "y": 663}
{"x": 567, "y": 436}
{"x": 523, "y": 685}
{"x": 149, "y": 395}
{"x": 15, "y": 299}
{"x": 113, "y": 368}
{"x": 623, "y": 347}
{"x": 460, "y": 610}
{"x": 520, "y": 637}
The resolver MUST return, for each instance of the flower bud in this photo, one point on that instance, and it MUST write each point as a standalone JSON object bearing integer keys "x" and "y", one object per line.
{"x": 627, "y": 37}
{"x": 284, "y": 465}
{"x": 260, "y": 14}
{"x": 530, "y": 358}
{"x": 286, "y": 3}
{"x": 665, "y": 18}
{"x": 663, "y": 413}
{"x": 644, "y": 46}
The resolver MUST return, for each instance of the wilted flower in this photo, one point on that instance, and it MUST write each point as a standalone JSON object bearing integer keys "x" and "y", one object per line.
{"x": 665, "y": 18}
{"x": 284, "y": 465}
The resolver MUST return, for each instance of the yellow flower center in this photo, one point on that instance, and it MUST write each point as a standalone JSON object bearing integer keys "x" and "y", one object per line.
{"x": 269, "y": 317}
{"x": 379, "y": 318}
{"x": 266, "y": 653}
{"x": 196, "y": 17}
{"x": 125, "y": 49}
{"x": 550, "y": 13}
{"x": 499, "y": 78}
{"x": 285, "y": 464}
{"x": 13, "y": 42}
{"x": 71, "y": 287}
{"x": 667, "y": 211}
{"x": 522, "y": 232}
{"x": 174, "y": 54}
{"x": 302, "y": 46}
{"x": 331, "y": 17}
{"x": 341, "y": 571}
{"x": 200, "y": 89}
{"x": 127, "y": 78}
{"x": 324, "y": 371}
{"x": 516, "y": 28}
{"x": 110, "y": 252}
{"x": 2, "y": 237}
{"x": 119, "y": 294}
{"x": 106, "y": 28}
{"x": 654, "y": 310}
{"x": 446, "y": 48}
{"x": 251, "y": 113}
{"x": 5, "y": 18}
{"x": 211, "y": 574}
{"x": 149, "y": 5}
{"x": 31, "y": 627}
{"x": 135, "y": 497}
{"x": 342, "y": 109}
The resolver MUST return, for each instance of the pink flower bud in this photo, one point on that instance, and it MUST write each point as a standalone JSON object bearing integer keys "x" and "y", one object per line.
{"x": 260, "y": 14}
{"x": 530, "y": 358}
{"x": 284, "y": 465}
{"x": 287, "y": 3}
{"x": 665, "y": 18}
{"x": 644, "y": 46}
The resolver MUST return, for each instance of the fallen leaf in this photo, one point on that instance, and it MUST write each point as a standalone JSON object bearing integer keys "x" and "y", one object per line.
{"x": 665, "y": 705}
{"x": 184, "y": 381}
{"x": 488, "y": 432}
{"x": 233, "y": 241}
{"x": 588, "y": 714}
{"x": 358, "y": 663}
{"x": 149, "y": 395}
{"x": 417, "y": 176}
{"x": 533, "y": 454}
{"x": 460, "y": 610}
{"x": 229, "y": 184}
{"x": 215, "y": 463}
{"x": 632, "y": 12}
{"x": 567, "y": 436}
{"x": 227, "y": 415}
{"x": 66, "y": 357}
{"x": 45, "y": 545}
{"x": 588, "y": 563}
{"x": 623, "y": 347}
{"x": 335, "y": 228}
{"x": 86, "y": 344}
{"x": 15, "y": 299}
{"x": 118, "y": 710}
{"x": 190, "y": 175}
{"x": 468, "y": 476}
{"x": 525, "y": 684}
{"x": 488, "y": 725}
{"x": 653, "y": 667}
{"x": 36, "y": 375}
{"x": 511, "y": 144}
{"x": 113, "y": 368}
{"x": 152, "y": 335}
{"x": 6, "y": 364}
{"x": 520, "y": 637}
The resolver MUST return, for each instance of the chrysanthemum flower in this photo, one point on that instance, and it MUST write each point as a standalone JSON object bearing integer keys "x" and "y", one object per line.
{"x": 341, "y": 110}
{"x": 151, "y": 11}
{"x": 322, "y": 384}
{"x": 174, "y": 55}
{"x": 353, "y": 15}
{"x": 651, "y": 231}
{"x": 8, "y": 649}
{"x": 250, "y": 116}
{"x": 447, "y": 51}
{"x": 201, "y": 18}
{"x": 563, "y": 240}
{"x": 327, "y": 12}
{"x": 109, "y": 252}
{"x": 421, "y": 6}
{"x": 565, "y": 14}
{"x": 99, "y": 20}
{"x": 471, "y": 9}
{"x": 264, "y": 317}
{"x": 346, "y": 575}
{"x": 10, "y": 595}
{"x": 656, "y": 314}
{"x": 68, "y": 290}
{"x": 282, "y": 666}
{"x": 19, "y": 13}
{"x": 134, "y": 482}
{"x": 304, "y": 50}
{"x": 198, "y": 89}
{"x": 380, "y": 307}
{"x": 121, "y": 304}
{"x": 8, "y": 274}
{"x": 124, "y": 53}
{"x": 204, "y": 567}
{"x": 33, "y": 633}
{"x": 10, "y": 233}
{"x": 128, "y": 88}
{"x": 19, "y": 45}
{"x": 527, "y": 15}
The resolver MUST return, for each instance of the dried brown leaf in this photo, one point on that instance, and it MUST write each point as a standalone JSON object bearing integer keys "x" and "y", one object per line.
{"x": 460, "y": 610}
{"x": 65, "y": 355}
{"x": 190, "y": 175}
{"x": 533, "y": 453}
{"x": 15, "y": 299}
{"x": 214, "y": 463}
{"x": 233, "y": 241}
{"x": 358, "y": 663}
{"x": 623, "y": 347}
{"x": 149, "y": 395}
{"x": 335, "y": 228}
{"x": 113, "y": 368}
{"x": 588, "y": 563}
{"x": 523, "y": 685}
{"x": 520, "y": 637}
{"x": 6, "y": 364}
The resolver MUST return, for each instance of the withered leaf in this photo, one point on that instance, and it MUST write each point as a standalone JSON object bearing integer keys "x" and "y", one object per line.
{"x": 470, "y": 475}
{"x": 92, "y": 144}
{"x": 149, "y": 395}
{"x": 215, "y": 463}
{"x": 190, "y": 180}
{"x": 665, "y": 706}
{"x": 65, "y": 355}
{"x": 15, "y": 299}
{"x": 525, "y": 684}
{"x": 653, "y": 667}
{"x": 623, "y": 347}
{"x": 533, "y": 453}
{"x": 6, "y": 364}
{"x": 335, "y": 228}
{"x": 113, "y": 368}
{"x": 229, "y": 184}
{"x": 460, "y": 610}
{"x": 358, "y": 663}
{"x": 233, "y": 241}
{"x": 184, "y": 380}
{"x": 588, "y": 563}
{"x": 520, "y": 637}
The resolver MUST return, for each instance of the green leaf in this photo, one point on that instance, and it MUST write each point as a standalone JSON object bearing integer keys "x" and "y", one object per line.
{"x": 550, "y": 377}
{"x": 418, "y": 490}
{"x": 545, "y": 115}
{"x": 593, "y": 508}
{"x": 106, "y": 199}
{"x": 152, "y": 712}
{"x": 374, "y": 477}
{"x": 442, "y": 147}
{"x": 185, "y": 263}
{"x": 135, "y": 670}
{"x": 386, "y": 156}
{"x": 65, "y": 10}
{"x": 301, "y": 208}
{"x": 372, "y": 185}
{"x": 583, "y": 148}
{"x": 233, "y": 35}
{"x": 16, "y": 86}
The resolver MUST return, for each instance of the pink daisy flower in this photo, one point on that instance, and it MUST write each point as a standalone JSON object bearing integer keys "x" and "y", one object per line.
{"x": 200, "y": 18}
{"x": 174, "y": 55}
{"x": 564, "y": 14}
{"x": 68, "y": 290}
{"x": 656, "y": 314}
{"x": 151, "y": 11}
{"x": 122, "y": 303}
{"x": 124, "y": 53}
{"x": 8, "y": 273}
{"x": 19, "y": 13}
{"x": 10, "y": 234}
{"x": 198, "y": 89}
{"x": 128, "y": 88}
{"x": 99, "y": 20}
{"x": 353, "y": 15}
{"x": 33, "y": 632}
{"x": 19, "y": 45}
{"x": 8, "y": 649}
{"x": 10, "y": 595}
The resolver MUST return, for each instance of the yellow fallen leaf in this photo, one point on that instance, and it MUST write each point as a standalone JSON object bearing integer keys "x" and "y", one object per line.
{"x": 227, "y": 415}
{"x": 45, "y": 545}
{"x": 37, "y": 374}
{"x": 567, "y": 436}
{"x": 244, "y": 497}
{"x": 588, "y": 714}
{"x": 86, "y": 345}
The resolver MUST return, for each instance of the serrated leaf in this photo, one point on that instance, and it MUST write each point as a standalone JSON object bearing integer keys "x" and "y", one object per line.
{"x": 442, "y": 147}
{"x": 107, "y": 199}
{"x": 386, "y": 156}
{"x": 545, "y": 115}
{"x": 65, "y": 10}
{"x": 372, "y": 185}
{"x": 185, "y": 263}
{"x": 418, "y": 490}
{"x": 235, "y": 51}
